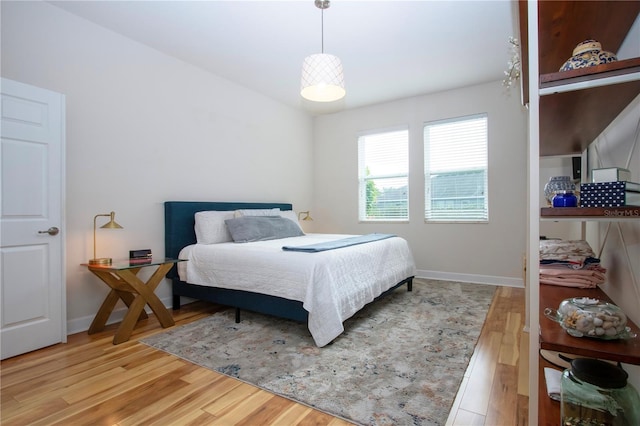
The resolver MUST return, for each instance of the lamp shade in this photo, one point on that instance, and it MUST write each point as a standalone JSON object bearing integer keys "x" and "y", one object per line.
{"x": 112, "y": 224}
{"x": 322, "y": 78}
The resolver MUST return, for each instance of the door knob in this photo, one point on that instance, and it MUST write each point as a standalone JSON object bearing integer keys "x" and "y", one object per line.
{"x": 51, "y": 231}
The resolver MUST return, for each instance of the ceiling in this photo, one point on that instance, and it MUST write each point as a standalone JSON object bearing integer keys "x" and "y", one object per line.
{"x": 389, "y": 49}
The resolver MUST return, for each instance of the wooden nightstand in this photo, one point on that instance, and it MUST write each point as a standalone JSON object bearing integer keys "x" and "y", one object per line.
{"x": 121, "y": 277}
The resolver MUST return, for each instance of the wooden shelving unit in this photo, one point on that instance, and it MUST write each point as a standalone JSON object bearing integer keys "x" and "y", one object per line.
{"x": 572, "y": 109}
{"x": 553, "y": 337}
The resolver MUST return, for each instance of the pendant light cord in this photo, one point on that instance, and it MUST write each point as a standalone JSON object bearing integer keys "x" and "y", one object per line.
{"x": 322, "y": 30}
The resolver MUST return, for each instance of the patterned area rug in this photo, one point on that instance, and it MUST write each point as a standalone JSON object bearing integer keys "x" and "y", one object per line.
{"x": 400, "y": 360}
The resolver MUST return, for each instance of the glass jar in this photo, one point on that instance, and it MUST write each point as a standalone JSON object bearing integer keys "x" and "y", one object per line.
{"x": 595, "y": 392}
{"x": 565, "y": 198}
{"x": 586, "y": 317}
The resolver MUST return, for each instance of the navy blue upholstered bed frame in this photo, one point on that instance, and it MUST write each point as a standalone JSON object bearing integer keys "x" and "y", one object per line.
{"x": 179, "y": 232}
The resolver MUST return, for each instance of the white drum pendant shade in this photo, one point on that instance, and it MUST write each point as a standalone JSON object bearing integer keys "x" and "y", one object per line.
{"x": 322, "y": 78}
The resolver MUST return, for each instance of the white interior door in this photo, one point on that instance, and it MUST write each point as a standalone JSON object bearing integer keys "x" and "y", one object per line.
{"x": 32, "y": 297}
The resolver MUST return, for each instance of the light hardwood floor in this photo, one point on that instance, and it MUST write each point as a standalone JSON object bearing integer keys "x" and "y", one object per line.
{"x": 90, "y": 381}
{"x": 495, "y": 388}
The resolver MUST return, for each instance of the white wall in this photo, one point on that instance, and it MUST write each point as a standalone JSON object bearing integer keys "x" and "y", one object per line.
{"x": 143, "y": 128}
{"x": 490, "y": 252}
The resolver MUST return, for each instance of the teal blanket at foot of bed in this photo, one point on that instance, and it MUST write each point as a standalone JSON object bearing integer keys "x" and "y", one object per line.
{"x": 336, "y": 244}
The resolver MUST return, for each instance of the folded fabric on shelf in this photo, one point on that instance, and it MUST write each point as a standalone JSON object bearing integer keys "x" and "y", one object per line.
{"x": 589, "y": 262}
{"x": 570, "y": 263}
{"x": 576, "y": 253}
{"x": 571, "y": 278}
{"x": 566, "y": 266}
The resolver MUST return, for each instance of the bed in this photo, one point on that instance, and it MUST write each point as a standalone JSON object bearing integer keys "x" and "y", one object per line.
{"x": 322, "y": 289}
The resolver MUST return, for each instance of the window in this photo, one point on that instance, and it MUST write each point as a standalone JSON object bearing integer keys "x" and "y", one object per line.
{"x": 455, "y": 169}
{"x": 383, "y": 173}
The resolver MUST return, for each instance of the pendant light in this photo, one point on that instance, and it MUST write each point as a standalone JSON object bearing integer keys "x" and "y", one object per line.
{"x": 322, "y": 74}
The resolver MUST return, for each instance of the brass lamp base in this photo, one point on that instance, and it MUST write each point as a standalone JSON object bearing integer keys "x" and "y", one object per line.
{"x": 100, "y": 261}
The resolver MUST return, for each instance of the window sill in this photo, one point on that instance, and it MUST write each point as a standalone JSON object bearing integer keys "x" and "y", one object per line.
{"x": 457, "y": 222}
{"x": 382, "y": 221}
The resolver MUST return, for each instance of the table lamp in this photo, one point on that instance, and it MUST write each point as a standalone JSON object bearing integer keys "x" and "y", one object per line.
{"x": 112, "y": 224}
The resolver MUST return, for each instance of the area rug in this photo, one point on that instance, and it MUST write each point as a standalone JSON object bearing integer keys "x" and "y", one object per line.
{"x": 400, "y": 360}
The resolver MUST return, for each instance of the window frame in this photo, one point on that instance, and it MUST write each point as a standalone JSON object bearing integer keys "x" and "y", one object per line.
{"x": 483, "y": 213}
{"x": 363, "y": 178}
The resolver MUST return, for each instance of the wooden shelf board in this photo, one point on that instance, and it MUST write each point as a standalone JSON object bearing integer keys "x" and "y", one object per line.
{"x": 571, "y": 121}
{"x": 578, "y": 213}
{"x": 555, "y": 338}
{"x": 627, "y": 66}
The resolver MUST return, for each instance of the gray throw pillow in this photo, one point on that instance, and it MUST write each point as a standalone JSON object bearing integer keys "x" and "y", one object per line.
{"x": 261, "y": 228}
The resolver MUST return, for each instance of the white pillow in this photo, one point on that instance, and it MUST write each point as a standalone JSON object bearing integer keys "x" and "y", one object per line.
{"x": 257, "y": 212}
{"x": 291, "y": 215}
{"x": 210, "y": 227}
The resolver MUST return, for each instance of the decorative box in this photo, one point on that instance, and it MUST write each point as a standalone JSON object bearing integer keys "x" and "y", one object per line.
{"x": 609, "y": 194}
{"x": 610, "y": 174}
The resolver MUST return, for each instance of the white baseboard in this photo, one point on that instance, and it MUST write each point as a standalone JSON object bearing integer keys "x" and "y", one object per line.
{"x": 78, "y": 325}
{"x": 470, "y": 278}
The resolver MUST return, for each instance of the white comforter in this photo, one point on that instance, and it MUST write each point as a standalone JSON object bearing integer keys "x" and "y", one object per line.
{"x": 333, "y": 285}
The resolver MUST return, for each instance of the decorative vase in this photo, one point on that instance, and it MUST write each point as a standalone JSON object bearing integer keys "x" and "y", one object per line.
{"x": 587, "y": 54}
{"x": 555, "y": 184}
{"x": 565, "y": 199}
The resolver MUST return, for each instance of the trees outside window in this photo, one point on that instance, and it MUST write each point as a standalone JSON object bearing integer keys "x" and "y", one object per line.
{"x": 383, "y": 175}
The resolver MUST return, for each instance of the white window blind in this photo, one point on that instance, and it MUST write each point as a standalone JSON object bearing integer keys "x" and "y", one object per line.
{"x": 383, "y": 174}
{"x": 455, "y": 163}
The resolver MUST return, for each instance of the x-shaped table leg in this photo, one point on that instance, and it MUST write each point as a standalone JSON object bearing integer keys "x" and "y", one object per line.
{"x": 136, "y": 294}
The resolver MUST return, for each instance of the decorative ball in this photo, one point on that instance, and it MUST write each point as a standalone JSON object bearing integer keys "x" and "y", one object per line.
{"x": 587, "y": 54}
{"x": 555, "y": 184}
